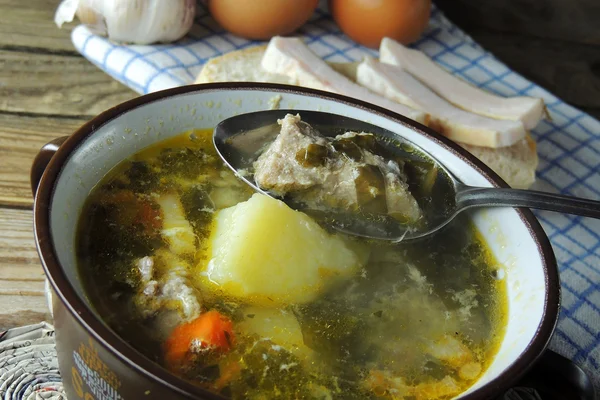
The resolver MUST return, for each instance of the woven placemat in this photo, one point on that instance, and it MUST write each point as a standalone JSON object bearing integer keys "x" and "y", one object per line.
{"x": 28, "y": 364}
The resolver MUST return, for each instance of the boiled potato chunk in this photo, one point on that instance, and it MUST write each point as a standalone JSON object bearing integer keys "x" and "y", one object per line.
{"x": 263, "y": 251}
{"x": 176, "y": 229}
{"x": 281, "y": 327}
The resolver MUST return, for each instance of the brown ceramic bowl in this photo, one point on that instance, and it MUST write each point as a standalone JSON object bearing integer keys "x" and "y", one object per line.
{"x": 96, "y": 363}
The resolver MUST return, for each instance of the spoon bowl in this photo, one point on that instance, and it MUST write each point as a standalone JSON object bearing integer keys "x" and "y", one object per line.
{"x": 239, "y": 140}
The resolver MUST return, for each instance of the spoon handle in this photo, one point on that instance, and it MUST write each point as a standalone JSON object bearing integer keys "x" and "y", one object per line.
{"x": 468, "y": 197}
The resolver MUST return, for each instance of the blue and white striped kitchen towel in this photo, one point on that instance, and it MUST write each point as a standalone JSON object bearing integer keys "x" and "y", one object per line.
{"x": 568, "y": 144}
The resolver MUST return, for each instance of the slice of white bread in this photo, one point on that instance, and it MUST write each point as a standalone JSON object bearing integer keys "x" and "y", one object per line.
{"x": 516, "y": 164}
{"x": 239, "y": 66}
{"x": 244, "y": 66}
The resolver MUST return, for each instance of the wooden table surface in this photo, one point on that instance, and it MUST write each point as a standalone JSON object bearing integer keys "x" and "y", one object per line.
{"x": 47, "y": 90}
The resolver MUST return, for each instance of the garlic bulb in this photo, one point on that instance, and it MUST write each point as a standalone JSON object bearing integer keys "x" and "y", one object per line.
{"x": 131, "y": 21}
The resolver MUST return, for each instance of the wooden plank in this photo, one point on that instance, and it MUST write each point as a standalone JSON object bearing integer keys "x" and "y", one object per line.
{"x": 56, "y": 84}
{"x": 31, "y": 24}
{"x": 17, "y": 246}
{"x": 572, "y": 20}
{"x": 15, "y": 287}
{"x": 21, "y": 272}
{"x": 21, "y": 276}
{"x": 23, "y": 310}
{"x": 20, "y": 139}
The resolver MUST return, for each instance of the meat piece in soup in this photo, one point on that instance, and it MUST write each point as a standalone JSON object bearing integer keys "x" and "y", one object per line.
{"x": 245, "y": 297}
{"x": 342, "y": 173}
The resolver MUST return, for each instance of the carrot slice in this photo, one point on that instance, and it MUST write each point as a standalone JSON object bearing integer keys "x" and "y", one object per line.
{"x": 211, "y": 331}
{"x": 148, "y": 216}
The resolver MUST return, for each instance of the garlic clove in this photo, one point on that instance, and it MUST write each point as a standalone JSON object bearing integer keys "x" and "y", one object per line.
{"x": 65, "y": 12}
{"x": 132, "y": 21}
{"x": 90, "y": 13}
{"x": 149, "y": 21}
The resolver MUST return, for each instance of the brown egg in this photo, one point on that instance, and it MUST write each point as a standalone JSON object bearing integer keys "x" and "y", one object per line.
{"x": 261, "y": 19}
{"x": 369, "y": 21}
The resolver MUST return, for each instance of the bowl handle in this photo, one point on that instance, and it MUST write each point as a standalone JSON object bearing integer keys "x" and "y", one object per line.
{"x": 42, "y": 159}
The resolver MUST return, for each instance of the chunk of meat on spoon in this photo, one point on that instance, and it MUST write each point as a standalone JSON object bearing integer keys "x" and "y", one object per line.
{"x": 344, "y": 172}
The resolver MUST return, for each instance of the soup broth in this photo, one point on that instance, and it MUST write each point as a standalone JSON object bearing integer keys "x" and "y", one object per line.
{"x": 419, "y": 320}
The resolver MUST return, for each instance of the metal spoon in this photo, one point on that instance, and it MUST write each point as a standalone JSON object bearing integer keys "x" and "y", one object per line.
{"x": 240, "y": 139}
